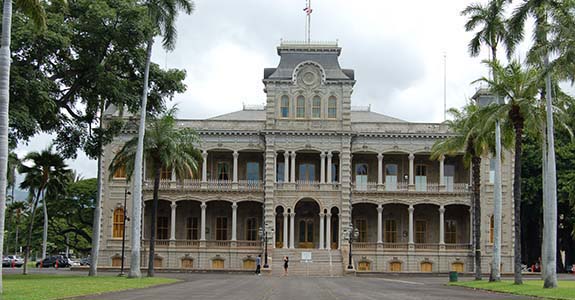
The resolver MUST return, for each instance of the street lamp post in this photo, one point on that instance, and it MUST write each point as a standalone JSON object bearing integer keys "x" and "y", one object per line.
{"x": 126, "y": 193}
{"x": 353, "y": 234}
{"x": 264, "y": 235}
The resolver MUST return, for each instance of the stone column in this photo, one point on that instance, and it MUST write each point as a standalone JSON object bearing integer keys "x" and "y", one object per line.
{"x": 291, "y": 234}
{"x": 286, "y": 166}
{"x": 173, "y": 222}
{"x": 379, "y": 168}
{"x": 204, "y": 166}
{"x": 329, "y": 156}
{"x": 442, "y": 173}
{"x": 203, "y": 222}
{"x": 441, "y": 225}
{"x": 234, "y": 221}
{"x": 411, "y": 171}
{"x": 236, "y": 155}
{"x": 321, "y": 230}
{"x": 322, "y": 168}
{"x": 411, "y": 209}
{"x": 328, "y": 231}
{"x": 379, "y": 224}
{"x": 293, "y": 167}
{"x": 285, "y": 236}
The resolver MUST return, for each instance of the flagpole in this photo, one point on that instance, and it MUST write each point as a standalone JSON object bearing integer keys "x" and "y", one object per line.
{"x": 309, "y": 23}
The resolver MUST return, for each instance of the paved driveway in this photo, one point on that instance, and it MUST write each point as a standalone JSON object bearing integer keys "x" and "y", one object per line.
{"x": 248, "y": 287}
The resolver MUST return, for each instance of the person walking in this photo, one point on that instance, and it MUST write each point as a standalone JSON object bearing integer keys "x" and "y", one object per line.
{"x": 258, "y": 264}
{"x": 286, "y": 262}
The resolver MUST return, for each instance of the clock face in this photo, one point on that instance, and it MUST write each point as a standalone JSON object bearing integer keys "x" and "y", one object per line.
{"x": 309, "y": 77}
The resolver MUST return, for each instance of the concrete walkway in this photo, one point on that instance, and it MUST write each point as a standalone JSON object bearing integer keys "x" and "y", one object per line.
{"x": 248, "y": 287}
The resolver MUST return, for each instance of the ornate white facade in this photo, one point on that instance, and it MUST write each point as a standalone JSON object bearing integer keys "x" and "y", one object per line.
{"x": 296, "y": 167}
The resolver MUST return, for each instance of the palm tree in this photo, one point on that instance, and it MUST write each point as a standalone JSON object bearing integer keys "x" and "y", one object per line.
{"x": 17, "y": 210}
{"x": 492, "y": 32}
{"x": 545, "y": 13}
{"x": 520, "y": 87}
{"x": 165, "y": 147}
{"x": 162, "y": 14}
{"x": 47, "y": 177}
{"x": 466, "y": 137}
{"x": 33, "y": 9}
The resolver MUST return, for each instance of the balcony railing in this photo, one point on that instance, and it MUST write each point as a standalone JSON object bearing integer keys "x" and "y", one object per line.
{"x": 404, "y": 246}
{"x": 432, "y": 187}
{"x": 458, "y": 247}
{"x": 209, "y": 185}
{"x": 193, "y": 244}
{"x": 304, "y": 185}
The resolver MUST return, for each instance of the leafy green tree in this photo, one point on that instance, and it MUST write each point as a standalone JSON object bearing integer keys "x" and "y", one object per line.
{"x": 45, "y": 178}
{"x": 17, "y": 210}
{"x": 520, "y": 87}
{"x": 33, "y": 9}
{"x": 545, "y": 13}
{"x": 491, "y": 33}
{"x": 162, "y": 14}
{"x": 467, "y": 138}
{"x": 165, "y": 146}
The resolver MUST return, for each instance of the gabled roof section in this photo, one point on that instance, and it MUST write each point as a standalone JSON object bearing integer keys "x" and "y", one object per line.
{"x": 292, "y": 54}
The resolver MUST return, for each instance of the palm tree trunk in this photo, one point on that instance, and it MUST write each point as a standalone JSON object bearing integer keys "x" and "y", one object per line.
{"x": 517, "y": 119}
{"x": 4, "y": 104}
{"x": 30, "y": 228}
{"x": 97, "y": 222}
{"x": 550, "y": 203}
{"x": 476, "y": 169}
{"x": 544, "y": 246}
{"x": 495, "y": 274}
{"x": 98, "y": 207}
{"x": 45, "y": 231}
{"x": 153, "y": 222}
{"x": 138, "y": 166}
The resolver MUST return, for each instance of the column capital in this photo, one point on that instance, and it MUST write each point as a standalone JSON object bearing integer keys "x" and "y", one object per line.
{"x": 441, "y": 158}
{"x": 174, "y": 205}
{"x": 380, "y": 208}
{"x": 292, "y": 153}
{"x": 322, "y": 155}
{"x": 235, "y": 205}
{"x": 286, "y": 153}
{"x": 203, "y": 205}
{"x": 321, "y": 214}
{"x": 411, "y": 208}
{"x": 329, "y": 154}
{"x": 292, "y": 214}
{"x": 204, "y": 154}
{"x": 236, "y": 154}
{"x": 441, "y": 209}
{"x": 328, "y": 215}
{"x": 411, "y": 156}
{"x": 379, "y": 156}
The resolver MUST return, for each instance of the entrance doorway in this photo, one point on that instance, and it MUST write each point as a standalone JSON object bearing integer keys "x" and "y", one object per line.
{"x": 307, "y": 224}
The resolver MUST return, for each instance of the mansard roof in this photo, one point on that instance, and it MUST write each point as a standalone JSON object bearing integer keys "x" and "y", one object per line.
{"x": 357, "y": 116}
{"x": 292, "y": 54}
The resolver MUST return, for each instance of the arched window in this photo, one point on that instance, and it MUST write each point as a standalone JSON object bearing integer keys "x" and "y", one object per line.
{"x": 285, "y": 107}
{"x": 300, "y": 107}
{"x": 118, "y": 231}
{"x": 491, "y": 229}
{"x": 332, "y": 108}
{"x": 120, "y": 172}
{"x": 316, "y": 107}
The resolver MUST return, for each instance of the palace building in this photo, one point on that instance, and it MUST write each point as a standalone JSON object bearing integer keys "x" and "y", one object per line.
{"x": 298, "y": 172}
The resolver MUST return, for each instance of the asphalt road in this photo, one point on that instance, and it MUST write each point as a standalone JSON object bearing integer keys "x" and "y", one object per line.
{"x": 249, "y": 287}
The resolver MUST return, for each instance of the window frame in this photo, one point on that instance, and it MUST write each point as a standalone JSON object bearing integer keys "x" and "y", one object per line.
{"x": 316, "y": 108}
{"x": 390, "y": 234}
{"x": 420, "y": 236}
{"x": 162, "y": 228}
{"x": 332, "y": 107}
{"x": 300, "y": 108}
{"x": 450, "y": 236}
{"x": 284, "y": 106}
{"x": 118, "y": 223}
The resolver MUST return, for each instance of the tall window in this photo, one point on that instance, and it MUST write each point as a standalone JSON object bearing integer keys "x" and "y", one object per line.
{"x": 391, "y": 177}
{"x": 361, "y": 225}
{"x": 334, "y": 172}
{"x": 192, "y": 228}
{"x": 316, "y": 107}
{"x": 166, "y": 173}
{"x": 300, "y": 107}
{"x": 285, "y": 107}
{"x": 361, "y": 176}
{"x": 251, "y": 229}
{"x": 306, "y": 172}
{"x": 221, "y": 228}
{"x": 118, "y": 231}
{"x": 162, "y": 229}
{"x": 491, "y": 229}
{"x": 450, "y": 231}
{"x": 449, "y": 174}
{"x": 421, "y": 178}
{"x": 420, "y": 231}
{"x": 492, "y": 170}
{"x": 390, "y": 231}
{"x": 223, "y": 170}
{"x": 280, "y": 172}
{"x": 120, "y": 172}
{"x": 253, "y": 171}
{"x": 332, "y": 107}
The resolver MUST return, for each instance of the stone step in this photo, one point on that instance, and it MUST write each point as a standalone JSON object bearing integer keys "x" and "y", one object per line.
{"x": 324, "y": 262}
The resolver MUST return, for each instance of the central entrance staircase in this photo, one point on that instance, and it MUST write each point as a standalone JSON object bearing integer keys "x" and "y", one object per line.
{"x": 324, "y": 263}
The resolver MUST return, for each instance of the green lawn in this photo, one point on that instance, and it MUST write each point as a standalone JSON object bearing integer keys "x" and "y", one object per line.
{"x": 566, "y": 289}
{"x": 46, "y": 287}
